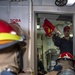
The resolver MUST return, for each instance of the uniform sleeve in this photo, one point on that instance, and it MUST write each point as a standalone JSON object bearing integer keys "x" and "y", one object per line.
{"x": 56, "y": 39}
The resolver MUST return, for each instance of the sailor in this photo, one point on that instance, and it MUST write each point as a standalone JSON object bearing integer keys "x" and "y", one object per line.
{"x": 64, "y": 65}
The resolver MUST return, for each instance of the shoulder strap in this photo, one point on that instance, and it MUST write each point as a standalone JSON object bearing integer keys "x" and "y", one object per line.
{"x": 20, "y": 58}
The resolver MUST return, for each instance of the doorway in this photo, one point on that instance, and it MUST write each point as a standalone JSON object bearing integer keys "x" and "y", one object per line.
{"x": 48, "y": 52}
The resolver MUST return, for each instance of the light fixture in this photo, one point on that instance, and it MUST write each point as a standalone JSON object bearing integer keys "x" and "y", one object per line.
{"x": 71, "y": 35}
{"x": 70, "y": 2}
{"x": 38, "y": 26}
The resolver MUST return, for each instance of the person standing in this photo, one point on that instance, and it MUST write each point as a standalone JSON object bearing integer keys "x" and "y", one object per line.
{"x": 65, "y": 43}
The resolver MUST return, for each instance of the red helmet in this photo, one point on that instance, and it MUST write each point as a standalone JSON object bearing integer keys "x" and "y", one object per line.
{"x": 66, "y": 55}
{"x": 10, "y": 34}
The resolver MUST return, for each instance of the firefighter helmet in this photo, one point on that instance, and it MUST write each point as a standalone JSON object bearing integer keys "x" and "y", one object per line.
{"x": 10, "y": 34}
{"x": 66, "y": 55}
